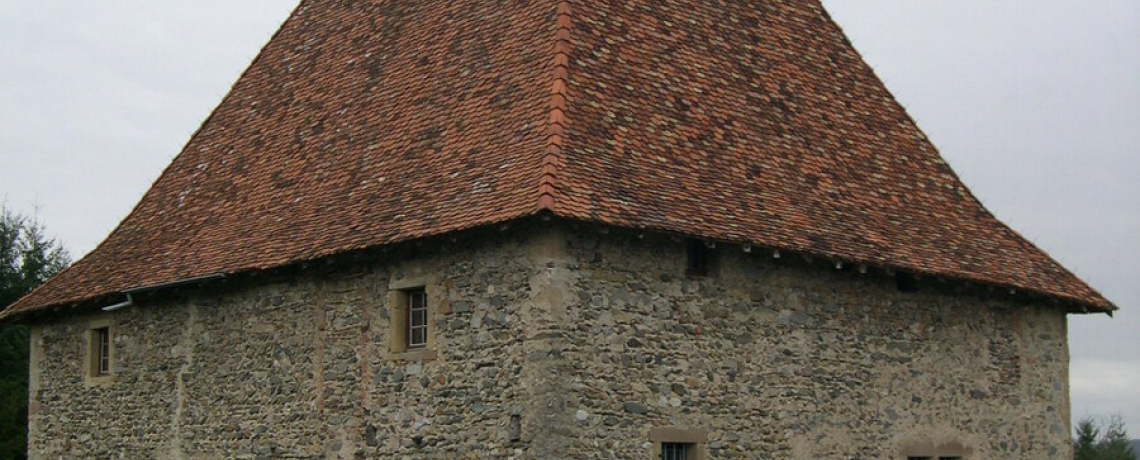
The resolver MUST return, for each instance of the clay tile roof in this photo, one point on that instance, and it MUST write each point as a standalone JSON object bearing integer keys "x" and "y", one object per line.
{"x": 364, "y": 123}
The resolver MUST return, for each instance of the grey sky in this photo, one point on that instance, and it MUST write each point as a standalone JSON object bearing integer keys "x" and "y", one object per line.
{"x": 1036, "y": 104}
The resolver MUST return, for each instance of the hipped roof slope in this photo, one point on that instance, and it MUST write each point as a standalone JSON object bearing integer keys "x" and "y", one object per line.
{"x": 364, "y": 123}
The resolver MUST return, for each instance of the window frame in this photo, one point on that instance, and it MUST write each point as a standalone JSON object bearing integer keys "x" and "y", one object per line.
{"x": 677, "y": 450}
{"x": 695, "y": 441}
{"x": 100, "y": 364}
{"x": 102, "y": 352}
{"x": 417, "y": 319}
{"x": 399, "y": 301}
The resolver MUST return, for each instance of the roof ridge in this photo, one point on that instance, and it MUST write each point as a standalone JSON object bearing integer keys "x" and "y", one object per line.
{"x": 556, "y": 124}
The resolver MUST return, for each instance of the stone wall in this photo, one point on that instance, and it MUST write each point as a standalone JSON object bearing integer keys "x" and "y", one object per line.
{"x": 553, "y": 342}
{"x": 298, "y": 367}
{"x": 780, "y": 358}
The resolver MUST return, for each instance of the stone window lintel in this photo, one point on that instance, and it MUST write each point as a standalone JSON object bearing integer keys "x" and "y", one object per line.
{"x": 922, "y": 449}
{"x": 698, "y": 437}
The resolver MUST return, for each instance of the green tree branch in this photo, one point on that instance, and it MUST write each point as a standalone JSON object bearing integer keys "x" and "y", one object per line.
{"x": 27, "y": 259}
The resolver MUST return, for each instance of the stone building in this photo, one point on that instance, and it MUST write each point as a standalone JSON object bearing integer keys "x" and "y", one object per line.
{"x": 556, "y": 229}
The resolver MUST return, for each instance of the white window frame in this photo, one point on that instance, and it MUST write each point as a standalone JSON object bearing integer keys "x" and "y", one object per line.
{"x": 417, "y": 319}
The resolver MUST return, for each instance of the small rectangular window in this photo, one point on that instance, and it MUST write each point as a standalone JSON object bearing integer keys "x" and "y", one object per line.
{"x": 101, "y": 346}
{"x": 676, "y": 451}
{"x": 417, "y": 318}
{"x": 698, "y": 258}
{"x": 905, "y": 282}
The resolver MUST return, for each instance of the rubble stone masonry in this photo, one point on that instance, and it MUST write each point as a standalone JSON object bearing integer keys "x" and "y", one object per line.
{"x": 553, "y": 340}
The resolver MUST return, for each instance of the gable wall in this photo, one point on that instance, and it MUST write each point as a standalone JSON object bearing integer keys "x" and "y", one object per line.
{"x": 577, "y": 342}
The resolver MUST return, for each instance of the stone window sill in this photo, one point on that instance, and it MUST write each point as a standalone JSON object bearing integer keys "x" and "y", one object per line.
{"x": 422, "y": 354}
{"x": 100, "y": 381}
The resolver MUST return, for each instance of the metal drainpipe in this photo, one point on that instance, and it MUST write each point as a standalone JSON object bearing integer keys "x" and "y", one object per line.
{"x": 120, "y": 305}
{"x": 130, "y": 301}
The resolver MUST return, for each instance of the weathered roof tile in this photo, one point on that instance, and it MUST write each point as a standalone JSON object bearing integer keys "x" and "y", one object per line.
{"x": 366, "y": 123}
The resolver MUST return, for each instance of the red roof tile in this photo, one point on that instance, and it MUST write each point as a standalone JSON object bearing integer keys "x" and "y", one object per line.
{"x": 366, "y": 123}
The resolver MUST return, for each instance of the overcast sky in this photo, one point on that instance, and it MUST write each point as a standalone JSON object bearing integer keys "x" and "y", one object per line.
{"x": 1036, "y": 105}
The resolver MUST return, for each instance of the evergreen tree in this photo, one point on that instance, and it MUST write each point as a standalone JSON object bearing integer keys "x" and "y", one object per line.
{"x": 1110, "y": 444}
{"x": 1085, "y": 446}
{"x": 1115, "y": 445}
{"x": 27, "y": 259}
